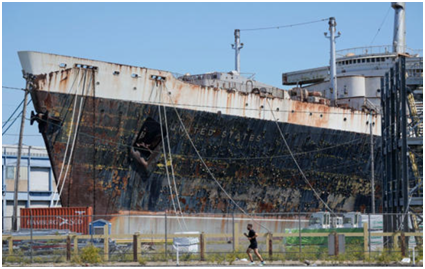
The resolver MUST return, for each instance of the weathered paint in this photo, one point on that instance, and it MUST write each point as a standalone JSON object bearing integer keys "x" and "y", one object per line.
{"x": 144, "y": 89}
{"x": 107, "y": 177}
{"x": 235, "y": 133}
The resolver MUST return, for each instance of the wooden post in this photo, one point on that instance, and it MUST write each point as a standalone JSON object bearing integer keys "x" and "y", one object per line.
{"x": 395, "y": 241}
{"x": 236, "y": 236}
{"x": 18, "y": 163}
{"x": 75, "y": 245}
{"x": 166, "y": 236}
{"x": 202, "y": 243}
{"x": 10, "y": 245}
{"x": 135, "y": 246}
{"x": 336, "y": 244}
{"x": 106, "y": 242}
{"x": 270, "y": 245}
{"x": 403, "y": 244}
{"x": 68, "y": 248}
{"x": 365, "y": 239}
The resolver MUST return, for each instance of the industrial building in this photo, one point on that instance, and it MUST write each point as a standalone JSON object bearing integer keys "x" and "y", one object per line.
{"x": 37, "y": 187}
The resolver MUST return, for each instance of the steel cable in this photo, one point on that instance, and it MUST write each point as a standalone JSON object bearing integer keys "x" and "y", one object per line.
{"x": 284, "y": 26}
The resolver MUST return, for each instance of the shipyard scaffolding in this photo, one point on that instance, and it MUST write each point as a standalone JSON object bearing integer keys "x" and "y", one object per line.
{"x": 402, "y": 143}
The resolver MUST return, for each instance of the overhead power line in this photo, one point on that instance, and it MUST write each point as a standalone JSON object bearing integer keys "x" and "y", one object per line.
{"x": 284, "y": 26}
{"x": 14, "y": 120}
{"x": 12, "y": 88}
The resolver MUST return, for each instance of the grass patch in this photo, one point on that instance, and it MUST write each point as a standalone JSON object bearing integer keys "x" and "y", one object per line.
{"x": 215, "y": 258}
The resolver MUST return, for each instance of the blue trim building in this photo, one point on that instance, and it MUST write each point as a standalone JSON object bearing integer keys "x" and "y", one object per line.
{"x": 37, "y": 187}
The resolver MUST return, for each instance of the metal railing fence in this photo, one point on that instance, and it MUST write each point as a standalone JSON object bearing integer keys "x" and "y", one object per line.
{"x": 150, "y": 237}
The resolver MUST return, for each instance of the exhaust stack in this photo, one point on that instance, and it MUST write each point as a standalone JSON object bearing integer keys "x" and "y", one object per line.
{"x": 399, "y": 40}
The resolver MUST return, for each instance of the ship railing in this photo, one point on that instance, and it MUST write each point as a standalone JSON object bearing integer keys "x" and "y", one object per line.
{"x": 369, "y": 104}
{"x": 248, "y": 75}
{"x": 177, "y": 75}
{"x": 369, "y": 50}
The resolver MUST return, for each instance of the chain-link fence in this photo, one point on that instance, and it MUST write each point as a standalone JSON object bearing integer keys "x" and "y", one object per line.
{"x": 210, "y": 237}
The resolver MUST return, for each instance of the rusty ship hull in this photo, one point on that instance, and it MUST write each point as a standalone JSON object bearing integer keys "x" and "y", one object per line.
{"x": 107, "y": 152}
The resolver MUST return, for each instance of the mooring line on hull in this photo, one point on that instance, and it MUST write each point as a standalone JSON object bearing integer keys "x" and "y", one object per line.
{"x": 69, "y": 135}
{"x": 171, "y": 164}
{"x": 209, "y": 171}
{"x": 75, "y": 132}
{"x": 296, "y": 163}
{"x": 165, "y": 161}
{"x": 72, "y": 96}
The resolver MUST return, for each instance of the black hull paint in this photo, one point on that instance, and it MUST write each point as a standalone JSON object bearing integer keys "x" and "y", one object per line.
{"x": 247, "y": 156}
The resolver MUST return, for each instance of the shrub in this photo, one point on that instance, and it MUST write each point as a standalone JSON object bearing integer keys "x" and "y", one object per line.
{"x": 142, "y": 261}
{"x": 91, "y": 254}
{"x": 388, "y": 256}
{"x": 38, "y": 260}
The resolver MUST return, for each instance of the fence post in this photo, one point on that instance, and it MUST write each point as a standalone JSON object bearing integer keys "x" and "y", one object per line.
{"x": 236, "y": 236}
{"x": 106, "y": 242}
{"x": 166, "y": 234}
{"x": 32, "y": 242}
{"x": 365, "y": 239}
{"x": 233, "y": 231}
{"x": 403, "y": 244}
{"x": 369, "y": 240}
{"x": 202, "y": 243}
{"x": 68, "y": 248}
{"x": 299, "y": 233}
{"x": 395, "y": 241}
{"x": 336, "y": 240}
{"x": 75, "y": 245}
{"x": 10, "y": 245}
{"x": 135, "y": 246}
{"x": 270, "y": 245}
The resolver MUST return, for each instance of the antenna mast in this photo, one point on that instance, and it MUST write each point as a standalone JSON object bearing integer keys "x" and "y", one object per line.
{"x": 237, "y": 47}
{"x": 334, "y": 89}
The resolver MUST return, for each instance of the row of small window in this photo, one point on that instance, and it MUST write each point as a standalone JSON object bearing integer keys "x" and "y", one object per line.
{"x": 364, "y": 60}
{"x": 39, "y": 179}
{"x": 192, "y": 78}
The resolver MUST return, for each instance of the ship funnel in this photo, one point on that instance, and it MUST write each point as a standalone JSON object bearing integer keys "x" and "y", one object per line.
{"x": 399, "y": 40}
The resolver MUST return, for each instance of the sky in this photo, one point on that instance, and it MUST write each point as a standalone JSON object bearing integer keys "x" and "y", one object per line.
{"x": 189, "y": 38}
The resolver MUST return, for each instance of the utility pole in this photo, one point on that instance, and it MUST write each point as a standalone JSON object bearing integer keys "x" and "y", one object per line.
{"x": 21, "y": 135}
{"x": 237, "y": 47}
{"x": 373, "y": 163}
{"x": 332, "y": 37}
